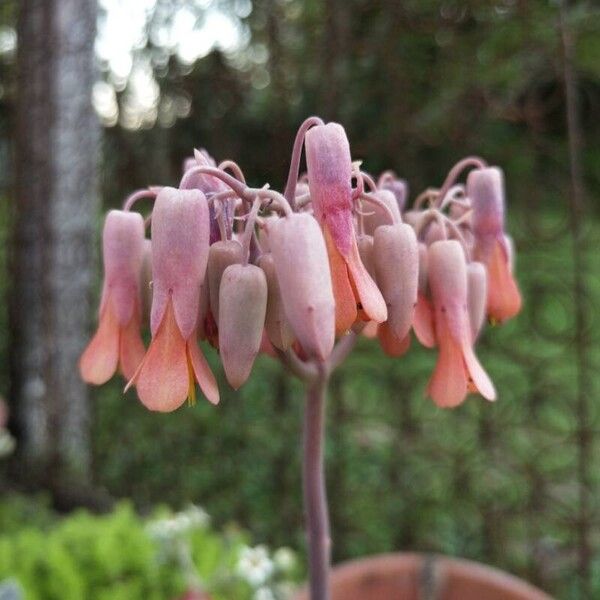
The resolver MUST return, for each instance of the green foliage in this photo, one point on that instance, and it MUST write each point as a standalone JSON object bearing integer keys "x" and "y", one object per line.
{"x": 120, "y": 556}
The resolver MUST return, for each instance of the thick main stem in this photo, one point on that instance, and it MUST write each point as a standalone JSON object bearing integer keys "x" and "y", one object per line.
{"x": 315, "y": 495}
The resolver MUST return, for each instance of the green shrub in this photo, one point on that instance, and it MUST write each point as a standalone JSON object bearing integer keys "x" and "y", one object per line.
{"x": 120, "y": 556}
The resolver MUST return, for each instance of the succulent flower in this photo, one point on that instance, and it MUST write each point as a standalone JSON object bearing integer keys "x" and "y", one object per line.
{"x": 174, "y": 362}
{"x": 251, "y": 270}
{"x": 329, "y": 167}
{"x": 485, "y": 189}
{"x": 117, "y": 342}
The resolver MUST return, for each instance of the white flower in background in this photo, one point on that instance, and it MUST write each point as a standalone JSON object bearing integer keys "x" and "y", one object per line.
{"x": 179, "y": 524}
{"x": 284, "y": 559}
{"x": 263, "y": 593}
{"x": 7, "y": 443}
{"x": 254, "y": 565}
{"x": 198, "y": 516}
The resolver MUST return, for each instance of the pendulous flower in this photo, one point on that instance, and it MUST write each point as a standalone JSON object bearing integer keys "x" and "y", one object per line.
{"x": 174, "y": 362}
{"x": 117, "y": 342}
{"x": 329, "y": 167}
{"x": 485, "y": 189}
{"x": 457, "y": 370}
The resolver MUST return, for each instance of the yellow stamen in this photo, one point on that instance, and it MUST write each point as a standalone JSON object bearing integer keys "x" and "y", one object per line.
{"x": 191, "y": 399}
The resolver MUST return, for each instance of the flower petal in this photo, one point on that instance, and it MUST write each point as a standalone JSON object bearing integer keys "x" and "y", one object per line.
{"x": 131, "y": 348}
{"x": 423, "y": 322}
{"x": 204, "y": 376}
{"x": 100, "y": 359}
{"x": 162, "y": 380}
{"x": 504, "y": 298}
{"x": 345, "y": 302}
{"x": 448, "y": 384}
{"x": 390, "y": 344}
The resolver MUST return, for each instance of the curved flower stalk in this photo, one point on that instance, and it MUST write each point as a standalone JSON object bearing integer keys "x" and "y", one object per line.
{"x": 174, "y": 362}
{"x": 117, "y": 342}
{"x": 329, "y": 167}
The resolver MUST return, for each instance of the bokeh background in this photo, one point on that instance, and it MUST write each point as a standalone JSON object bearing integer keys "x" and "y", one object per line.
{"x": 418, "y": 85}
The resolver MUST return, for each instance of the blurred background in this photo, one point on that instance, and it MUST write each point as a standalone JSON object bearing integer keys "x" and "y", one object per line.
{"x": 418, "y": 85}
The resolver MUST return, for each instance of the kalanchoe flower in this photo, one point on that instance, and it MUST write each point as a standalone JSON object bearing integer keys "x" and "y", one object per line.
{"x": 398, "y": 187}
{"x": 279, "y": 331}
{"x": 377, "y": 215}
{"x": 174, "y": 362}
{"x": 477, "y": 296}
{"x": 329, "y": 166}
{"x": 117, "y": 342}
{"x": 300, "y": 258}
{"x": 242, "y": 308}
{"x": 396, "y": 257}
{"x": 457, "y": 370}
{"x": 485, "y": 189}
{"x": 221, "y": 255}
{"x": 423, "y": 317}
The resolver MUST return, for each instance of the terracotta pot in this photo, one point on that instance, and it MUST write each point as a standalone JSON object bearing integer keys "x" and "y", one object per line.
{"x": 424, "y": 577}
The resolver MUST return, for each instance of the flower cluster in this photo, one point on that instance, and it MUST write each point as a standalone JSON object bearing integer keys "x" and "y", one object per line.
{"x": 251, "y": 269}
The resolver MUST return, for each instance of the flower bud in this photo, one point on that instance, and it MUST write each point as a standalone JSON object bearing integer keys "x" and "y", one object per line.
{"x": 302, "y": 268}
{"x": 278, "y": 328}
{"x": 476, "y": 296}
{"x": 180, "y": 233}
{"x": 221, "y": 255}
{"x": 242, "y": 308}
{"x": 396, "y": 256}
{"x": 365, "y": 249}
{"x": 379, "y": 216}
{"x": 399, "y": 188}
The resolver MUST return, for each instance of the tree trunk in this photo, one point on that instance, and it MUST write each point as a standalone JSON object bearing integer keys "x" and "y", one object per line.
{"x": 56, "y": 206}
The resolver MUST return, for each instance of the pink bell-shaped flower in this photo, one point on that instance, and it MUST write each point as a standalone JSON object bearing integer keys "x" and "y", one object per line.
{"x": 457, "y": 370}
{"x": 242, "y": 308}
{"x": 485, "y": 189}
{"x": 329, "y": 167}
{"x": 117, "y": 342}
{"x": 174, "y": 362}
{"x": 302, "y": 268}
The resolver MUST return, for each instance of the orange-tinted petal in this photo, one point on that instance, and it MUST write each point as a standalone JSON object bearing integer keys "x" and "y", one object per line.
{"x": 367, "y": 292}
{"x": 423, "y": 325}
{"x": 479, "y": 381}
{"x": 345, "y": 302}
{"x": 204, "y": 376}
{"x": 131, "y": 347}
{"x": 100, "y": 359}
{"x": 390, "y": 344}
{"x": 448, "y": 385}
{"x": 504, "y": 298}
{"x": 370, "y": 330}
{"x": 162, "y": 380}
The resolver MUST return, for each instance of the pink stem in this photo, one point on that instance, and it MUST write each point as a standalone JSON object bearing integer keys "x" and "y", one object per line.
{"x": 292, "y": 180}
{"x": 456, "y": 170}
{"x": 315, "y": 495}
{"x": 138, "y": 195}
